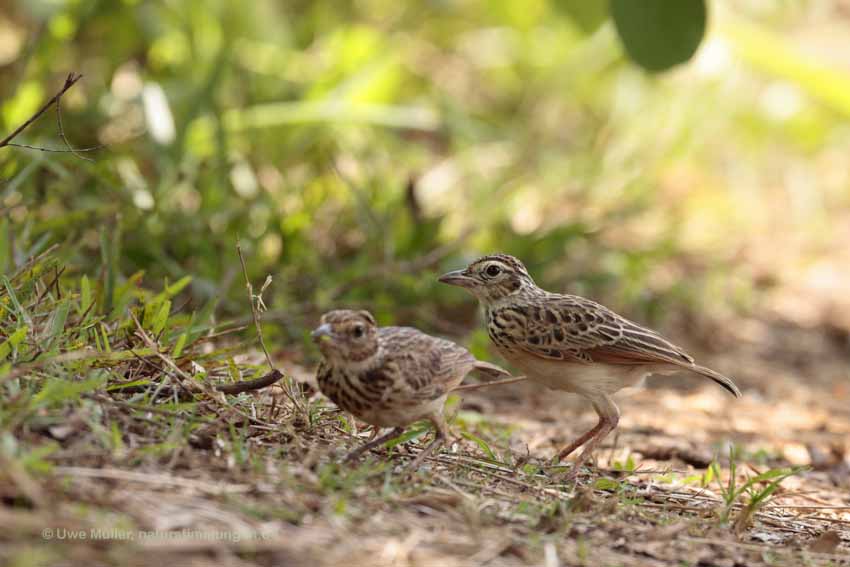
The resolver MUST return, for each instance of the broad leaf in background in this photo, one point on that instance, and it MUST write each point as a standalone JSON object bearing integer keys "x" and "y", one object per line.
{"x": 658, "y": 34}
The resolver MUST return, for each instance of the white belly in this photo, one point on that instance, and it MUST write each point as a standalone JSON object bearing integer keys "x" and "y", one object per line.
{"x": 585, "y": 379}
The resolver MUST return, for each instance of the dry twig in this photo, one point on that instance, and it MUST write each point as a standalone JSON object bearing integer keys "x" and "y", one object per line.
{"x": 256, "y": 306}
{"x": 249, "y": 385}
{"x": 70, "y": 81}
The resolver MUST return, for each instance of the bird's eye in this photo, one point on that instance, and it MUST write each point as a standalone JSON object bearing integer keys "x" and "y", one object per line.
{"x": 358, "y": 331}
{"x": 493, "y": 270}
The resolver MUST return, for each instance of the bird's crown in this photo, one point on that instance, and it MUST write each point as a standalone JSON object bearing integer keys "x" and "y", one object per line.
{"x": 346, "y": 335}
{"x": 492, "y": 278}
{"x": 503, "y": 261}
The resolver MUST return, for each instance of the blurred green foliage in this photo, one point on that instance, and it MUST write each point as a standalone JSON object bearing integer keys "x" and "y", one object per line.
{"x": 349, "y": 143}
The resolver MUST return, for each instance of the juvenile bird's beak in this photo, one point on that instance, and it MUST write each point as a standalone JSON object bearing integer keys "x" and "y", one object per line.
{"x": 320, "y": 332}
{"x": 458, "y": 278}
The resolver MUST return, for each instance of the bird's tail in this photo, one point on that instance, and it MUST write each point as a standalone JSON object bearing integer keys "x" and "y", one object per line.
{"x": 727, "y": 383}
{"x": 490, "y": 370}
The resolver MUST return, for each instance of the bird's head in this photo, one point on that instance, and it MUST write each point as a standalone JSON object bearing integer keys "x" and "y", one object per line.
{"x": 347, "y": 337}
{"x": 492, "y": 278}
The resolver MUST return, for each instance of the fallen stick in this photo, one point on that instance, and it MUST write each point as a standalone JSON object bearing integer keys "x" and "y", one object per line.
{"x": 249, "y": 385}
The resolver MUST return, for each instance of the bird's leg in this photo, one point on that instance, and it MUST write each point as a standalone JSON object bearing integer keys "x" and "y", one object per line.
{"x": 566, "y": 451}
{"x": 440, "y": 436}
{"x": 609, "y": 417}
{"x": 373, "y": 443}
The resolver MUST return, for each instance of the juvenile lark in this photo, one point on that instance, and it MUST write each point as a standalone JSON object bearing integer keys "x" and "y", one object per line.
{"x": 390, "y": 376}
{"x": 570, "y": 343}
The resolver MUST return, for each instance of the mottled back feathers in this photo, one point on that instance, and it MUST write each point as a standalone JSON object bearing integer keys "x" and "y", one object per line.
{"x": 567, "y": 327}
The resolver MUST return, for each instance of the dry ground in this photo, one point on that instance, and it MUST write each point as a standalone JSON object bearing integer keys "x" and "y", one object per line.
{"x": 269, "y": 491}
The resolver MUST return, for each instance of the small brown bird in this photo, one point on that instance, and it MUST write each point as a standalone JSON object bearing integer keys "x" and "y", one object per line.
{"x": 390, "y": 376}
{"x": 570, "y": 343}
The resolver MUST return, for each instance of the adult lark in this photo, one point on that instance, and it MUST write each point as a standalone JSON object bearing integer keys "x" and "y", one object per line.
{"x": 570, "y": 343}
{"x": 390, "y": 376}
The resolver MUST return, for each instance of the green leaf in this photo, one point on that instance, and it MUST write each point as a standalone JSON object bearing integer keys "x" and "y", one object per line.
{"x": 5, "y": 256}
{"x": 606, "y": 484}
{"x": 85, "y": 294}
{"x": 19, "y": 312}
{"x": 115, "y": 438}
{"x": 408, "y": 435}
{"x": 173, "y": 289}
{"x": 139, "y": 382}
{"x": 109, "y": 269}
{"x": 34, "y": 461}
{"x": 200, "y": 322}
{"x": 530, "y": 469}
{"x": 708, "y": 475}
{"x": 233, "y": 370}
{"x": 482, "y": 444}
{"x": 628, "y": 466}
{"x": 588, "y": 15}
{"x": 125, "y": 293}
{"x": 178, "y": 347}
{"x": 659, "y": 34}
{"x": 58, "y": 390}
{"x": 770, "y": 475}
{"x": 13, "y": 341}
{"x": 57, "y": 326}
{"x": 161, "y": 317}
{"x": 104, "y": 334}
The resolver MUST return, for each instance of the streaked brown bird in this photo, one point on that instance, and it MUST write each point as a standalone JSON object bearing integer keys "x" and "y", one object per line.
{"x": 570, "y": 343}
{"x": 390, "y": 376}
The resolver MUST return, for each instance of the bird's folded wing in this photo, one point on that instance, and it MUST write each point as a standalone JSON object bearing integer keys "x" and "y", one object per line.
{"x": 575, "y": 329}
{"x": 428, "y": 366}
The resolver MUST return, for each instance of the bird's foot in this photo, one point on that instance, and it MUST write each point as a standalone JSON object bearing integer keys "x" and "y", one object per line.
{"x": 566, "y": 476}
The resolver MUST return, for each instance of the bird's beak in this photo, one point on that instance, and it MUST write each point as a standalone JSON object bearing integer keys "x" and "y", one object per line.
{"x": 458, "y": 278}
{"x": 322, "y": 332}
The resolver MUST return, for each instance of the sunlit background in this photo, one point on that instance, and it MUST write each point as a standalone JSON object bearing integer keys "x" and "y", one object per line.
{"x": 357, "y": 150}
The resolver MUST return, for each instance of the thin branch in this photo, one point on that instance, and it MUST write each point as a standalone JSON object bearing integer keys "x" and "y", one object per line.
{"x": 254, "y": 306}
{"x": 70, "y": 149}
{"x": 257, "y": 304}
{"x": 70, "y": 81}
{"x": 65, "y": 138}
{"x": 58, "y": 151}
